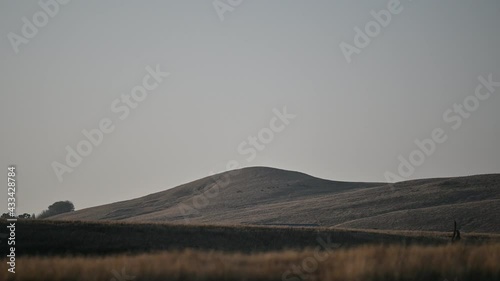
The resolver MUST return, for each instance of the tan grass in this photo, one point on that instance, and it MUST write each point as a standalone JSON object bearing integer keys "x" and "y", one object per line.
{"x": 366, "y": 263}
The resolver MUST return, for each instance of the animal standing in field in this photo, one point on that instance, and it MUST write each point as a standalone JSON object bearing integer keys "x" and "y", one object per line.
{"x": 456, "y": 234}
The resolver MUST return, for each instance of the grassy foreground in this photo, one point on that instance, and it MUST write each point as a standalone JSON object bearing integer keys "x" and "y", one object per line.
{"x": 113, "y": 251}
{"x": 367, "y": 263}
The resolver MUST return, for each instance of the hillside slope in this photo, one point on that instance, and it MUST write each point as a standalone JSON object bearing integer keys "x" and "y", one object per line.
{"x": 266, "y": 196}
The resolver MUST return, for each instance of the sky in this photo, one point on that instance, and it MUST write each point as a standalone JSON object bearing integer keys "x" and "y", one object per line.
{"x": 341, "y": 90}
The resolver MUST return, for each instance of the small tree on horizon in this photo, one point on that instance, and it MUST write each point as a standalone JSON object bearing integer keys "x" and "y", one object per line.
{"x": 57, "y": 208}
{"x": 24, "y": 216}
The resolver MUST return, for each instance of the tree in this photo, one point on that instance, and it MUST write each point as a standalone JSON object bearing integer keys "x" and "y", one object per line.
{"x": 57, "y": 208}
{"x": 24, "y": 216}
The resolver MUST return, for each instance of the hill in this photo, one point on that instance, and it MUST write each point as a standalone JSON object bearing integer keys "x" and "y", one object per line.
{"x": 267, "y": 196}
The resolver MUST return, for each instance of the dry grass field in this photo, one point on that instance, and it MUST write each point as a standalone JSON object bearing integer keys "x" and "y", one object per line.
{"x": 367, "y": 263}
{"x": 112, "y": 251}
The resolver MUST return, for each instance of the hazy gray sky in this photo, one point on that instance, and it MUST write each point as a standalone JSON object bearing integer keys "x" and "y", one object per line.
{"x": 352, "y": 120}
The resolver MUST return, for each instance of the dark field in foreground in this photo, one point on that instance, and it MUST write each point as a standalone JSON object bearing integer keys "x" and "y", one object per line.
{"x": 35, "y": 237}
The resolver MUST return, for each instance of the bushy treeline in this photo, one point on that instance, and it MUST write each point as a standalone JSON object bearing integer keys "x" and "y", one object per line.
{"x": 57, "y": 208}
